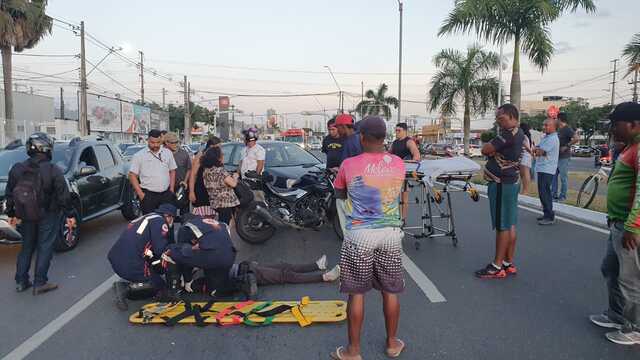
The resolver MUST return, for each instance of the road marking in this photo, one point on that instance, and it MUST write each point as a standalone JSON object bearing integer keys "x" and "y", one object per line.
{"x": 587, "y": 226}
{"x": 423, "y": 282}
{"x": 37, "y": 339}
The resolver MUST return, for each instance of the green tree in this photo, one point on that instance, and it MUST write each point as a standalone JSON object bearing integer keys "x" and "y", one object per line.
{"x": 631, "y": 53}
{"x": 23, "y": 23}
{"x": 534, "y": 121}
{"x": 377, "y": 103}
{"x": 588, "y": 119}
{"x": 525, "y": 22}
{"x": 464, "y": 79}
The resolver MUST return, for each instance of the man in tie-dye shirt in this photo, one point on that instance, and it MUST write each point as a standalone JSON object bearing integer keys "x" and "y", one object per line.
{"x": 371, "y": 255}
{"x": 621, "y": 264}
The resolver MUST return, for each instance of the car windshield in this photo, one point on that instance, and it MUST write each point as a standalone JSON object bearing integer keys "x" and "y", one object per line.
{"x": 62, "y": 154}
{"x": 132, "y": 150}
{"x": 280, "y": 155}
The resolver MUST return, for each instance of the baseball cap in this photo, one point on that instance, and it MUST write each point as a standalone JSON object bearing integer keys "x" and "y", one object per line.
{"x": 627, "y": 111}
{"x": 167, "y": 209}
{"x": 373, "y": 126}
{"x": 344, "y": 119}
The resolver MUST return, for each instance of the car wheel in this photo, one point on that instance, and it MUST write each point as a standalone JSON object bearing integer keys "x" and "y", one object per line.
{"x": 66, "y": 238}
{"x": 131, "y": 206}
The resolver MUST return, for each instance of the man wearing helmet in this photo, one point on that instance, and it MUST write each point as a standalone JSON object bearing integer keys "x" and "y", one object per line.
{"x": 37, "y": 196}
{"x": 253, "y": 155}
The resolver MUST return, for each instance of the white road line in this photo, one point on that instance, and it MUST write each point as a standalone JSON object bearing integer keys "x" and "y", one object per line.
{"x": 56, "y": 324}
{"x": 587, "y": 226}
{"x": 423, "y": 282}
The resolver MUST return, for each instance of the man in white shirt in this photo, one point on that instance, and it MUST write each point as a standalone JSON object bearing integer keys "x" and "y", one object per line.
{"x": 153, "y": 174}
{"x": 253, "y": 155}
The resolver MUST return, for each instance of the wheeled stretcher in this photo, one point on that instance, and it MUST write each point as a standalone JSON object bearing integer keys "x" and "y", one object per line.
{"x": 430, "y": 184}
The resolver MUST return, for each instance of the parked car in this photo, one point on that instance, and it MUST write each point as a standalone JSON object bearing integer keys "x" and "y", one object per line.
{"x": 97, "y": 178}
{"x": 284, "y": 160}
{"x": 445, "y": 150}
{"x": 123, "y": 146}
{"x": 195, "y": 147}
{"x": 475, "y": 151}
{"x": 581, "y": 151}
{"x": 315, "y": 145}
{"x": 132, "y": 150}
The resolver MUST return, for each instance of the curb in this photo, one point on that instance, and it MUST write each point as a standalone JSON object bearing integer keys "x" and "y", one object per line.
{"x": 586, "y": 216}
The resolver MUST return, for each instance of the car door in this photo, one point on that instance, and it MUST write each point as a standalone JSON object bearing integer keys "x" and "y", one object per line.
{"x": 111, "y": 175}
{"x": 90, "y": 187}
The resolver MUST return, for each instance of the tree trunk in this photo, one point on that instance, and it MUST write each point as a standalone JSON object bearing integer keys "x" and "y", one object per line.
{"x": 515, "y": 76}
{"x": 9, "y": 122}
{"x": 466, "y": 124}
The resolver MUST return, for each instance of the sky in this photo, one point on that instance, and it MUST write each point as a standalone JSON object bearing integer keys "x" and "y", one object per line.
{"x": 283, "y": 46}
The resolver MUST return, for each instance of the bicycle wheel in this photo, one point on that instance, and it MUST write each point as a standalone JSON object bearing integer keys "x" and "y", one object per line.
{"x": 588, "y": 191}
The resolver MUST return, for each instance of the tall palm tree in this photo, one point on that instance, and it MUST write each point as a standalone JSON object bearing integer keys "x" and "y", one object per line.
{"x": 631, "y": 53}
{"x": 467, "y": 80}
{"x": 377, "y": 103}
{"x": 23, "y": 23}
{"x": 526, "y": 22}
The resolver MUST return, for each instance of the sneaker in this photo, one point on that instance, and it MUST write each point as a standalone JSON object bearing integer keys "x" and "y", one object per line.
{"x": 510, "y": 269}
{"x": 490, "y": 272}
{"x": 322, "y": 262}
{"x": 604, "y": 321}
{"x": 540, "y": 218}
{"x": 332, "y": 275}
{"x": 120, "y": 290}
{"x": 249, "y": 286}
{"x": 547, "y": 221}
{"x": 624, "y": 338}
{"x": 20, "y": 287}
{"x": 46, "y": 287}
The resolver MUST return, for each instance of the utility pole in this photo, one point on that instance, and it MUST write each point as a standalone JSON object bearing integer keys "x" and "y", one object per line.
{"x": 635, "y": 84}
{"x": 187, "y": 112}
{"x": 164, "y": 93}
{"x": 400, "y": 8}
{"x": 61, "y": 103}
{"x": 83, "y": 125}
{"x": 142, "y": 76}
{"x": 613, "y": 83}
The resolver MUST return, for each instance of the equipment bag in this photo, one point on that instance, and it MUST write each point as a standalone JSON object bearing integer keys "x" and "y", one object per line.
{"x": 244, "y": 193}
{"x": 28, "y": 195}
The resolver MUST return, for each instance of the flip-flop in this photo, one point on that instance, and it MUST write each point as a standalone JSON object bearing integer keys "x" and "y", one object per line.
{"x": 394, "y": 353}
{"x": 337, "y": 355}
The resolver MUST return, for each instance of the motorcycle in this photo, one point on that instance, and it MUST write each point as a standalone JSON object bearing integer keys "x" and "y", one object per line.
{"x": 305, "y": 204}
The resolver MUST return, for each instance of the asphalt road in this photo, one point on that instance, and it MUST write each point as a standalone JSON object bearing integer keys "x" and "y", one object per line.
{"x": 539, "y": 314}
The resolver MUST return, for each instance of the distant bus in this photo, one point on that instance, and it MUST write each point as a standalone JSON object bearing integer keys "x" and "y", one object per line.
{"x": 296, "y": 136}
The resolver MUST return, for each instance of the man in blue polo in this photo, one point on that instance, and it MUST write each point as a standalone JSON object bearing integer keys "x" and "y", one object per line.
{"x": 546, "y": 167}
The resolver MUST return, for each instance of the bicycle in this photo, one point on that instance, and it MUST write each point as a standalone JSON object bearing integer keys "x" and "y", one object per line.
{"x": 590, "y": 185}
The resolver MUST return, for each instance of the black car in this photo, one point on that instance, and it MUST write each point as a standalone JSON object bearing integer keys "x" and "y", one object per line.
{"x": 284, "y": 161}
{"x": 97, "y": 178}
{"x": 132, "y": 150}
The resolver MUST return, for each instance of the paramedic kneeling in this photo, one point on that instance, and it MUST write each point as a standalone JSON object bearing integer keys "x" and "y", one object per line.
{"x": 137, "y": 255}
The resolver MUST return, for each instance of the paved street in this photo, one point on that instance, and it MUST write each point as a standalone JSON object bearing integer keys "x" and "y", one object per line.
{"x": 540, "y": 314}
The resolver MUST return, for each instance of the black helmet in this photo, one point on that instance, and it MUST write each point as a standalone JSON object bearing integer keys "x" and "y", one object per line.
{"x": 39, "y": 143}
{"x": 250, "y": 134}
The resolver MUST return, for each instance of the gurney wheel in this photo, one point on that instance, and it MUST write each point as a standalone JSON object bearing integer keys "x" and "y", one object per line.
{"x": 474, "y": 195}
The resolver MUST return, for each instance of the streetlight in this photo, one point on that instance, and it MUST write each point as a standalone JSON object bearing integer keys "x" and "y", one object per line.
{"x": 341, "y": 99}
{"x": 400, "y": 5}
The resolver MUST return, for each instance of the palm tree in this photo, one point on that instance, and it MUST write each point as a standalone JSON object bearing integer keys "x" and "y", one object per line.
{"x": 526, "y": 22}
{"x": 631, "y": 53}
{"x": 377, "y": 103}
{"x": 464, "y": 79}
{"x": 23, "y": 23}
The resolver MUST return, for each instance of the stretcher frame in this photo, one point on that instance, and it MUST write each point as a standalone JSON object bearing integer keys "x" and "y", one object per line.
{"x": 436, "y": 210}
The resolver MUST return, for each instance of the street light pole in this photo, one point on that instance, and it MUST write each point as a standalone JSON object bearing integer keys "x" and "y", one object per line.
{"x": 341, "y": 101}
{"x": 400, "y": 6}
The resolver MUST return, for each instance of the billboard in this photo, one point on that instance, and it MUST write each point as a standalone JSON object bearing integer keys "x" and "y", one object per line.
{"x": 136, "y": 119}
{"x": 103, "y": 113}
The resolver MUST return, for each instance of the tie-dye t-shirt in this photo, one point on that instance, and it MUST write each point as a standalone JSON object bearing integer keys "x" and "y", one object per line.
{"x": 373, "y": 182}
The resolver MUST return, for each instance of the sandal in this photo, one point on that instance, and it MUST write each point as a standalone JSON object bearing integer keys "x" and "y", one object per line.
{"x": 337, "y": 355}
{"x": 394, "y": 353}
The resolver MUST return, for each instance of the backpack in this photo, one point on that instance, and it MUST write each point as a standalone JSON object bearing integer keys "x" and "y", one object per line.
{"x": 28, "y": 195}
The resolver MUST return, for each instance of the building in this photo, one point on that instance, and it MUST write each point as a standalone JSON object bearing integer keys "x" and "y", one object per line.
{"x": 31, "y": 113}
{"x": 539, "y": 107}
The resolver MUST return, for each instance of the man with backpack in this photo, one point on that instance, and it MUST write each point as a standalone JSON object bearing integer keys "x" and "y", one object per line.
{"x": 37, "y": 197}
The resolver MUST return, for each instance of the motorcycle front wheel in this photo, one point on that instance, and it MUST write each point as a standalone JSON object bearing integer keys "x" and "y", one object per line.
{"x": 252, "y": 227}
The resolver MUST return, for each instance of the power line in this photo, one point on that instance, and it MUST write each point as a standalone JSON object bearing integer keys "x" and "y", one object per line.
{"x": 263, "y": 95}
{"x": 44, "y": 55}
{"x": 114, "y": 80}
{"x": 581, "y": 82}
{"x": 41, "y": 76}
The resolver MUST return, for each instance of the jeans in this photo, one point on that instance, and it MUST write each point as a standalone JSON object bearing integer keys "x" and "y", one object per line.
{"x": 37, "y": 237}
{"x": 563, "y": 174}
{"x": 544, "y": 191}
{"x": 621, "y": 269}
